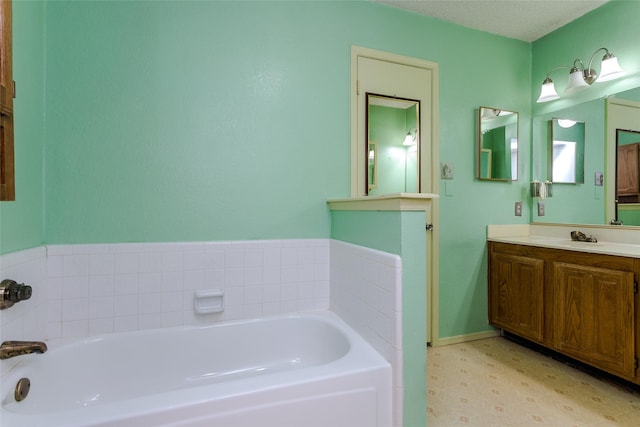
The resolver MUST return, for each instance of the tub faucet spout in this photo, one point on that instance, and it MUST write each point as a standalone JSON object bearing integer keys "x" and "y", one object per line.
{"x": 10, "y": 349}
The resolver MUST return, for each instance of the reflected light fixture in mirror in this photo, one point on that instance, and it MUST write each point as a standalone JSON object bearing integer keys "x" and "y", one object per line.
{"x": 580, "y": 77}
{"x": 410, "y": 139}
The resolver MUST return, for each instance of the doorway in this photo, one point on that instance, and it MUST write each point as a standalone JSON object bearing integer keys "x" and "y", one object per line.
{"x": 398, "y": 76}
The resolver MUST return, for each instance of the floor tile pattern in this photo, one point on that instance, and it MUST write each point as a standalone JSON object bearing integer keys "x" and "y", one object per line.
{"x": 497, "y": 382}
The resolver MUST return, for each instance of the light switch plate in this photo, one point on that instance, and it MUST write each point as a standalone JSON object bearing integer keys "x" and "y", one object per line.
{"x": 518, "y": 209}
{"x": 540, "y": 209}
{"x": 446, "y": 170}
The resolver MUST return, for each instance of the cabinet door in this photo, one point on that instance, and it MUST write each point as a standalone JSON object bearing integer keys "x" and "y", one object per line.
{"x": 593, "y": 316}
{"x": 516, "y": 295}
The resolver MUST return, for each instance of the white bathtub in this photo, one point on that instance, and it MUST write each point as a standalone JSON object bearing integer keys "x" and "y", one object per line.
{"x": 298, "y": 370}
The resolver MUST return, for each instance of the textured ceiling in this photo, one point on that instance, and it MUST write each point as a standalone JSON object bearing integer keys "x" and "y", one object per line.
{"x": 526, "y": 20}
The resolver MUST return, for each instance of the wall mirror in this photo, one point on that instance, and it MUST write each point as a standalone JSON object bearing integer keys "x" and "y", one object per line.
{"x": 594, "y": 201}
{"x": 393, "y": 135}
{"x": 566, "y": 153}
{"x": 497, "y": 144}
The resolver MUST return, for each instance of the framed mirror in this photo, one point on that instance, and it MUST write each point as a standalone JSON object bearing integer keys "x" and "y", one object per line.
{"x": 393, "y": 141}
{"x": 497, "y": 145}
{"x": 566, "y": 151}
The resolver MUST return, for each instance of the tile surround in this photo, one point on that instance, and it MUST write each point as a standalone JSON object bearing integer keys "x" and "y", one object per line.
{"x": 366, "y": 291}
{"x": 105, "y": 288}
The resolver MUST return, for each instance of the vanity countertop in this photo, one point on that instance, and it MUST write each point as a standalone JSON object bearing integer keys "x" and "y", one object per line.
{"x": 616, "y": 241}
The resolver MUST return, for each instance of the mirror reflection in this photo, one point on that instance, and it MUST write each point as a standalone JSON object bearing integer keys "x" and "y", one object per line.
{"x": 587, "y": 203}
{"x": 393, "y": 135}
{"x": 628, "y": 177}
{"x": 567, "y": 151}
{"x": 372, "y": 170}
{"x": 497, "y": 144}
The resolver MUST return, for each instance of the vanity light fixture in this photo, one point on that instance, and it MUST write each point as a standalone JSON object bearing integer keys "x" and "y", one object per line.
{"x": 581, "y": 77}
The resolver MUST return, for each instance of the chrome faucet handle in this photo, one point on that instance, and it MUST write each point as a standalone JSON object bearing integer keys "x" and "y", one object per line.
{"x": 12, "y": 292}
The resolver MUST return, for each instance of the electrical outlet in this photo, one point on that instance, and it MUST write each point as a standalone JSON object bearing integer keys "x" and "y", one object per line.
{"x": 518, "y": 208}
{"x": 540, "y": 209}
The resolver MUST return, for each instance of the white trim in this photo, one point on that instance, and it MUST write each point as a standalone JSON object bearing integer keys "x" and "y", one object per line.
{"x": 386, "y": 202}
{"x": 465, "y": 338}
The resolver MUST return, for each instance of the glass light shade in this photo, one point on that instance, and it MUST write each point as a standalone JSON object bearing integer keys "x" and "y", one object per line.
{"x": 576, "y": 82}
{"x": 548, "y": 91}
{"x": 408, "y": 140}
{"x": 566, "y": 123}
{"x": 609, "y": 69}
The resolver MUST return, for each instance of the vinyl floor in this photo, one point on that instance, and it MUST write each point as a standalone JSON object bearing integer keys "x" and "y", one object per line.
{"x": 497, "y": 382}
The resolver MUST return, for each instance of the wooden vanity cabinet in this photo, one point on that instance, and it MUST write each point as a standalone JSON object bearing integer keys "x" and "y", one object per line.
{"x": 515, "y": 302}
{"x": 580, "y": 304}
{"x": 593, "y": 316}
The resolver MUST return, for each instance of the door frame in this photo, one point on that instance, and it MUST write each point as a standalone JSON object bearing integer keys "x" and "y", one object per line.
{"x": 429, "y": 162}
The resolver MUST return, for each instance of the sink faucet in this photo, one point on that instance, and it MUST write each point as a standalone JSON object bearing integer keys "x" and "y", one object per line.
{"x": 10, "y": 349}
{"x": 578, "y": 236}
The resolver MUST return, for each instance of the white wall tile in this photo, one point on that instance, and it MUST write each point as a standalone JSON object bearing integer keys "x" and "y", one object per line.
{"x": 103, "y": 263}
{"x": 150, "y": 262}
{"x": 193, "y": 279}
{"x": 150, "y": 303}
{"x": 125, "y": 323}
{"x": 75, "y": 328}
{"x": 125, "y": 305}
{"x": 100, "y": 286}
{"x": 125, "y": 284}
{"x": 75, "y": 287}
{"x": 194, "y": 260}
{"x": 101, "y": 307}
{"x": 172, "y": 261}
{"x": 54, "y": 266}
{"x": 101, "y": 326}
{"x": 120, "y": 287}
{"x": 125, "y": 263}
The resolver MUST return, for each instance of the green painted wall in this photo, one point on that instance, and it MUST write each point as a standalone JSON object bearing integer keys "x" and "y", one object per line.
{"x": 626, "y": 138}
{"x": 629, "y": 215}
{"x": 21, "y": 221}
{"x": 401, "y": 233}
{"x": 171, "y": 121}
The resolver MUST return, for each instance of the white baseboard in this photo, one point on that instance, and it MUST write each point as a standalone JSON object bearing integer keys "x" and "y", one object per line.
{"x": 464, "y": 338}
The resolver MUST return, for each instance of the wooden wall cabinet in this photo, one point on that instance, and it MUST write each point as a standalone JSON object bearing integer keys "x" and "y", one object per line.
{"x": 582, "y": 305}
